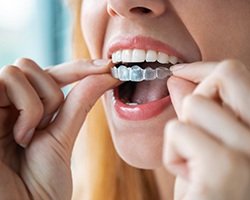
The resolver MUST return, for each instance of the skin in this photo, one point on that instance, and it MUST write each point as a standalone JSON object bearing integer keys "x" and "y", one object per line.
{"x": 206, "y": 146}
{"x": 29, "y": 97}
{"x": 217, "y": 31}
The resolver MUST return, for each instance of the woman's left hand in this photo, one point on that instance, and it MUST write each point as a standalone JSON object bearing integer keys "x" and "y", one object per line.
{"x": 208, "y": 147}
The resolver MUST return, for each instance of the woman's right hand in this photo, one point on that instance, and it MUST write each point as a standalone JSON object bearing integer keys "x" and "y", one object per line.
{"x": 29, "y": 98}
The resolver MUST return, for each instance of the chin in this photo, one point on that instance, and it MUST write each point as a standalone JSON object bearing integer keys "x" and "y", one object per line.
{"x": 140, "y": 153}
{"x": 139, "y": 142}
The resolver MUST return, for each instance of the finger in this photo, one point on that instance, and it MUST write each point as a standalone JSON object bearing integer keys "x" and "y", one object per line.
{"x": 231, "y": 83}
{"x": 8, "y": 112}
{"x": 181, "y": 188}
{"x": 185, "y": 145}
{"x": 194, "y": 72}
{"x": 211, "y": 117}
{"x": 178, "y": 89}
{"x": 46, "y": 88}
{"x": 4, "y": 100}
{"x": 21, "y": 94}
{"x": 202, "y": 154}
{"x": 78, "y": 103}
{"x": 76, "y": 70}
{"x": 218, "y": 80}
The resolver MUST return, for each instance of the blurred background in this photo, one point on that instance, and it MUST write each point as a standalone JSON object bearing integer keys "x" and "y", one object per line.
{"x": 36, "y": 29}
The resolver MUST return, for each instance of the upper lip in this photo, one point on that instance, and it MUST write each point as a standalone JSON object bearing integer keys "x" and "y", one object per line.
{"x": 141, "y": 42}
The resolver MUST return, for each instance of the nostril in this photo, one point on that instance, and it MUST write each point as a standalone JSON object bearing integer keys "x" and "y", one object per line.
{"x": 140, "y": 10}
{"x": 134, "y": 8}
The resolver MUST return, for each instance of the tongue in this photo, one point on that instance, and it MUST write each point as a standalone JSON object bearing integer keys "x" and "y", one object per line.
{"x": 148, "y": 91}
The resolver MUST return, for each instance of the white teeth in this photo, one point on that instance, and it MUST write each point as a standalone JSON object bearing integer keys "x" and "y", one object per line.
{"x": 163, "y": 58}
{"x": 137, "y": 74}
{"x": 173, "y": 59}
{"x": 132, "y": 104}
{"x": 127, "y": 55}
{"x": 151, "y": 56}
{"x": 139, "y": 55}
{"x": 117, "y": 57}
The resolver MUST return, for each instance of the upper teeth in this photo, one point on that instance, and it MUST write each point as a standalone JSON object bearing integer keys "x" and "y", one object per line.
{"x": 139, "y": 55}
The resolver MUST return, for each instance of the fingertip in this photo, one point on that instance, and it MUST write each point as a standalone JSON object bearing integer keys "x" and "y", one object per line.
{"x": 178, "y": 89}
{"x": 177, "y": 67}
{"x": 101, "y": 62}
{"x": 24, "y": 142}
{"x": 70, "y": 72}
{"x": 25, "y": 62}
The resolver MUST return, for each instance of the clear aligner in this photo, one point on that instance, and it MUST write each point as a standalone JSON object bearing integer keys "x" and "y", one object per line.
{"x": 137, "y": 74}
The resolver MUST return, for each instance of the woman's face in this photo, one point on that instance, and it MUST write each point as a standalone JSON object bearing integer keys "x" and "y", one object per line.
{"x": 188, "y": 30}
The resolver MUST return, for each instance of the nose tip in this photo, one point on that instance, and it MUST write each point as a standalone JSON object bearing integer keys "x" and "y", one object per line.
{"x": 134, "y": 8}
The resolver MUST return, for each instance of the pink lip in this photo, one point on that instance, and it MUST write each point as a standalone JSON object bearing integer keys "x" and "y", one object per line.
{"x": 151, "y": 109}
{"x": 142, "y": 111}
{"x": 141, "y": 42}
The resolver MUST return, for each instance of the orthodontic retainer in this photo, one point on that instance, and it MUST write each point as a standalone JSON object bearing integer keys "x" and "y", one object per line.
{"x": 137, "y": 74}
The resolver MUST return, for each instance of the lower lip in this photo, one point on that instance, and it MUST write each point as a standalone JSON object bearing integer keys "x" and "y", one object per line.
{"x": 141, "y": 111}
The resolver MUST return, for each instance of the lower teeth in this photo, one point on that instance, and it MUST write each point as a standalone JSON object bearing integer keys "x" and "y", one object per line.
{"x": 132, "y": 104}
{"x": 137, "y": 74}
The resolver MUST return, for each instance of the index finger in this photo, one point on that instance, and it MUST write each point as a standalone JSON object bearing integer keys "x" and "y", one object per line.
{"x": 73, "y": 71}
{"x": 78, "y": 103}
{"x": 195, "y": 72}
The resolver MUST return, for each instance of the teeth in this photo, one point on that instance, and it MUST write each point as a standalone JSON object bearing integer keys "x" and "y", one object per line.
{"x": 139, "y": 55}
{"x": 173, "y": 59}
{"x": 117, "y": 57}
{"x": 132, "y": 104}
{"x": 163, "y": 58}
{"x": 127, "y": 55}
{"x": 137, "y": 74}
{"x": 151, "y": 56}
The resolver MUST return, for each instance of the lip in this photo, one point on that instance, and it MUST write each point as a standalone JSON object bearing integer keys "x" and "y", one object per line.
{"x": 142, "y": 42}
{"x": 140, "y": 111}
{"x": 151, "y": 109}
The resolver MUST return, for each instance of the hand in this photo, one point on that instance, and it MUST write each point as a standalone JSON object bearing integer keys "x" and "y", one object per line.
{"x": 29, "y": 97}
{"x": 208, "y": 147}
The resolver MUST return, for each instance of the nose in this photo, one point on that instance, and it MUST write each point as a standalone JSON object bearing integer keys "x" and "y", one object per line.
{"x": 135, "y": 8}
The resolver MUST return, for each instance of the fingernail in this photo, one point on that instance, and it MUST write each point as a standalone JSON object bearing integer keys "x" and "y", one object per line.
{"x": 177, "y": 67}
{"x": 27, "y": 138}
{"x": 101, "y": 62}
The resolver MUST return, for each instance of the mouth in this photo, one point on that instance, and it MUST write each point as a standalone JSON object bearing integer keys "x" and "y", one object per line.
{"x": 145, "y": 73}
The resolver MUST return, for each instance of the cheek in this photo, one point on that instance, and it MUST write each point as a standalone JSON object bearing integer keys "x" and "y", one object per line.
{"x": 215, "y": 27}
{"x": 94, "y": 19}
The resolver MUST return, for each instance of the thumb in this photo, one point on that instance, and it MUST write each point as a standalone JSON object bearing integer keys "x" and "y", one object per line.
{"x": 178, "y": 89}
{"x": 78, "y": 103}
{"x": 181, "y": 188}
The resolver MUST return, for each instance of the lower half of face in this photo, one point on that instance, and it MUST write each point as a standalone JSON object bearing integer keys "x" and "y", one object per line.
{"x": 137, "y": 113}
{"x": 137, "y": 130}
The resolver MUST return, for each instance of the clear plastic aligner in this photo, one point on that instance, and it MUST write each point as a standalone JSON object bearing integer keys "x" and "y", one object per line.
{"x": 137, "y": 74}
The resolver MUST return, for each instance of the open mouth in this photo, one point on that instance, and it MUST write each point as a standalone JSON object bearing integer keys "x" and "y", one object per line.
{"x": 145, "y": 73}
